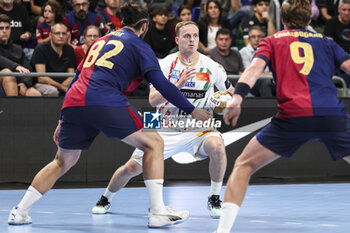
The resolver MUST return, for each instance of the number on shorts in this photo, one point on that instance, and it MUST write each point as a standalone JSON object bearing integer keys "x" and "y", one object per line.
{"x": 102, "y": 61}
{"x": 307, "y": 59}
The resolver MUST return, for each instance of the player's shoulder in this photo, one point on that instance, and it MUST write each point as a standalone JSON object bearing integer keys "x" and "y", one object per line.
{"x": 206, "y": 59}
{"x": 169, "y": 59}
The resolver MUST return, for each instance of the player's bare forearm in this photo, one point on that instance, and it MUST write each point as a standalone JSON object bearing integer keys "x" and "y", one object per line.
{"x": 253, "y": 72}
{"x": 155, "y": 98}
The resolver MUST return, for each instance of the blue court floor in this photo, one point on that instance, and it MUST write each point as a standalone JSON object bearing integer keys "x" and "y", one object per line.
{"x": 305, "y": 208}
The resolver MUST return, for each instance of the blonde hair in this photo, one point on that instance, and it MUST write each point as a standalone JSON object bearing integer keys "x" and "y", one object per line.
{"x": 296, "y": 13}
{"x": 341, "y": 2}
{"x": 181, "y": 24}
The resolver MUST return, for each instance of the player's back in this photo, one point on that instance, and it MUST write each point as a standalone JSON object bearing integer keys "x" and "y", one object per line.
{"x": 113, "y": 65}
{"x": 303, "y": 64}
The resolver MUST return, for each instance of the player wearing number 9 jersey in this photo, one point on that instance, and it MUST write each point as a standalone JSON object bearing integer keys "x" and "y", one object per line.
{"x": 303, "y": 64}
{"x": 95, "y": 103}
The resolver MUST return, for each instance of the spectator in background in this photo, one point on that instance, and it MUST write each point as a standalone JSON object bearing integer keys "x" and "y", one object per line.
{"x": 12, "y": 59}
{"x": 338, "y": 29}
{"x": 110, "y": 16}
{"x": 78, "y": 19}
{"x": 20, "y": 22}
{"x": 260, "y": 18}
{"x": 263, "y": 87}
{"x": 240, "y": 15}
{"x": 224, "y": 4}
{"x": 255, "y": 35}
{"x": 54, "y": 55}
{"x": 91, "y": 33}
{"x": 327, "y": 8}
{"x": 52, "y": 13}
{"x": 230, "y": 59}
{"x": 184, "y": 13}
{"x": 159, "y": 35}
{"x": 209, "y": 25}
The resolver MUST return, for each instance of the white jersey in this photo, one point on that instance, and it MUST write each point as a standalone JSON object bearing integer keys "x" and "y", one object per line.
{"x": 188, "y": 146}
{"x": 199, "y": 89}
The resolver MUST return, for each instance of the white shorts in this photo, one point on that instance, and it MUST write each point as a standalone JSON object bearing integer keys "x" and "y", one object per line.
{"x": 181, "y": 142}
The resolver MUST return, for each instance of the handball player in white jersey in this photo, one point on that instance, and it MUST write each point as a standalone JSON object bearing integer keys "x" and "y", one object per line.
{"x": 195, "y": 75}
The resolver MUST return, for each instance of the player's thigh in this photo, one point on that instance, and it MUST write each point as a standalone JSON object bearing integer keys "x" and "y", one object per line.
{"x": 255, "y": 155}
{"x": 190, "y": 143}
{"x": 144, "y": 140}
{"x": 76, "y": 133}
{"x": 115, "y": 121}
{"x": 337, "y": 140}
{"x": 172, "y": 141}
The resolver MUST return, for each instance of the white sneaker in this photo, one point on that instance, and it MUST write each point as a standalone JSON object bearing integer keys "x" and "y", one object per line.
{"x": 17, "y": 219}
{"x": 102, "y": 206}
{"x": 167, "y": 217}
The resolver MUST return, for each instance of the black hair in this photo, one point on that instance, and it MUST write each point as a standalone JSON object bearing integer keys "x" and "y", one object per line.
{"x": 183, "y": 7}
{"x": 159, "y": 11}
{"x": 134, "y": 15}
{"x": 56, "y": 8}
{"x": 257, "y": 1}
{"x": 223, "y": 31}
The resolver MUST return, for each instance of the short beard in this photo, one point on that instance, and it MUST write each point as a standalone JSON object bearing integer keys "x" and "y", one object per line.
{"x": 221, "y": 50}
{"x": 81, "y": 14}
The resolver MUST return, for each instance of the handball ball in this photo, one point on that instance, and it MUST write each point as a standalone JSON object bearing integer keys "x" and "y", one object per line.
{"x": 218, "y": 101}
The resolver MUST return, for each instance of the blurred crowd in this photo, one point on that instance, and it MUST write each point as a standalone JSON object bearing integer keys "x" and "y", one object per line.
{"x": 49, "y": 36}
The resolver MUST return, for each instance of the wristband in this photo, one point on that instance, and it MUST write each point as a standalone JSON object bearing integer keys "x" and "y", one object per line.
{"x": 242, "y": 89}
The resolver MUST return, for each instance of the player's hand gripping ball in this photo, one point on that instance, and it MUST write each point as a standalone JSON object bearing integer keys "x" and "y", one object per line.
{"x": 218, "y": 101}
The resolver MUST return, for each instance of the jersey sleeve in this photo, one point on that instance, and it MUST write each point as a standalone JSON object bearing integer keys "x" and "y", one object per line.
{"x": 339, "y": 54}
{"x": 221, "y": 83}
{"x": 147, "y": 59}
{"x": 264, "y": 50}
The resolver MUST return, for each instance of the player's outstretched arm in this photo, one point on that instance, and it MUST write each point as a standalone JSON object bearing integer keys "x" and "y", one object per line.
{"x": 171, "y": 92}
{"x": 155, "y": 98}
{"x": 246, "y": 81}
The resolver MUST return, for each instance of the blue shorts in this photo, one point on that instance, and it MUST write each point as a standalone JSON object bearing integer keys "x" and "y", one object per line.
{"x": 285, "y": 136}
{"x": 80, "y": 125}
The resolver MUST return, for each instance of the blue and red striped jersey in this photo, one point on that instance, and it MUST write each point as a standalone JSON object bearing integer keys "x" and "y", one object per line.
{"x": 303, "y": 64}
{"x": 113, "y": 66}
{"x": 42, "y": 30}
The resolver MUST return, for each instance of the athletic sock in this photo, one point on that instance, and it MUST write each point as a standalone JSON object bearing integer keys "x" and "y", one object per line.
{"x": 215, "y": 188}
{"x": 29, "y": 198}
{"x": 155, "y": 194}
{"x": 109, "y": 195}
{"x": 228, "y": 217}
